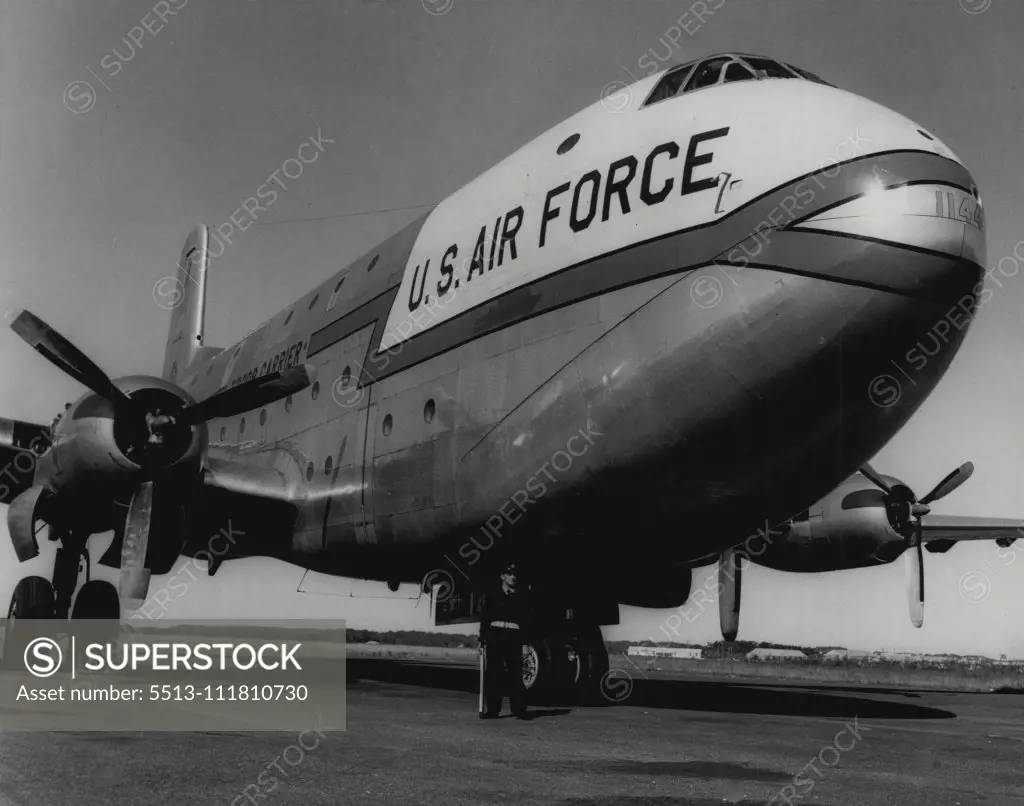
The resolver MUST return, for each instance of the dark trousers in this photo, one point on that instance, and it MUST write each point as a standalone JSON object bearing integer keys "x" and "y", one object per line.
{"x": 503, "y": 669}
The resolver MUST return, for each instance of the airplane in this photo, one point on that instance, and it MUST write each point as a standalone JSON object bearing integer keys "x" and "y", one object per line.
{"x": 613, "y": 355}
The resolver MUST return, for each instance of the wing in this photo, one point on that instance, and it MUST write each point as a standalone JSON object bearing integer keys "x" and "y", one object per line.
{"x": 967, "y": 527}
{"x": 258, "y": 482}
{"x": 942, "y": 532}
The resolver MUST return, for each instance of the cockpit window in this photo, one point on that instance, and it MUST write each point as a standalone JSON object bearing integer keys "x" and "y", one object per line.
{"x": 707, "y": 73}
{"x": 737, "y": 72}
{"x": 723, "y": 69}
{"x": 670, "y": 84}
{"x": 808, "y": 75}
{"x": 770, "y": 68}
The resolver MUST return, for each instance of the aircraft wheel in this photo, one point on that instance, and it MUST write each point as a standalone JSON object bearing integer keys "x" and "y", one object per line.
{"x": 594, "y": 667}
{"x": 32, "y": 599}
{"x": 549, "y": 664}
{"x": 97, "y": 600}
{"x": 532, "y": 663}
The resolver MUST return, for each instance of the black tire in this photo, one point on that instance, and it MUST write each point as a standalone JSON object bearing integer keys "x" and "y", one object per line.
{"x": 594, "y": 668}
{"x": 32, "y": 599}
{"x": 557, "y": 669}
{"x": 97, "y": 600}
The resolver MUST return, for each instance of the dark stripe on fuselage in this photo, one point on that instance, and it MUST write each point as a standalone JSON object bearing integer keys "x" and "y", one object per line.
{"x": 681, "y": 251}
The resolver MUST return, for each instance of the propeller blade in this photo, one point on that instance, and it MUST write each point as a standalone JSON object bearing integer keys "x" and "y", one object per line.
{"x": 133, "y": 584}
{"x": 249, "y": 395}
{"x": 730, "y": 582}
{"x": 875, "y": 479}
{"x": 950, "y": 483}
{"x": 22, "y": 515}
{"x": 914, "y": 566}
{"x": 65, "y": 356}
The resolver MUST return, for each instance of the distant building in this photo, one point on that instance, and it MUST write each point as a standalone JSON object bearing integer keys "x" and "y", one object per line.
{"x": 692, "y": 653}
{"x": 845, "y": 654}
{"x": 765, "y": 653}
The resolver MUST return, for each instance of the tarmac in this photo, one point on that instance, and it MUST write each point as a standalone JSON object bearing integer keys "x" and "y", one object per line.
{"x": 413, "y": 737}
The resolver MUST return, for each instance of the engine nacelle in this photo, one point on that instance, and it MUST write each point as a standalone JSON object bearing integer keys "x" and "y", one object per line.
{"x": 668, "y": 586}
{"x": 850, "y": 528}
{"x": 95, "y": 444}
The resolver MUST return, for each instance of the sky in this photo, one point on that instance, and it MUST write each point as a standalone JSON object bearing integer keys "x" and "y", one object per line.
{"x": 119, "y": 131}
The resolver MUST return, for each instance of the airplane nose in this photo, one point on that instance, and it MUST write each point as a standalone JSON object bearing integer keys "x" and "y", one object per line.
{"x": 911, "y": 223}
{"x": 943, "y": 221}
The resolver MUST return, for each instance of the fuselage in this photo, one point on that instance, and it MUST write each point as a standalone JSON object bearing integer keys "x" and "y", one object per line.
{"x": 647, "y": 333}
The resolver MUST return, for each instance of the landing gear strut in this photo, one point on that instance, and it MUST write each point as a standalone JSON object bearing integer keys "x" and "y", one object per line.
{"x": 37, "y": 598}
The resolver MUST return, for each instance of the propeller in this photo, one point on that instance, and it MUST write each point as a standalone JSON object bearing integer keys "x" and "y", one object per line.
{"x": 65, "y": 356}
{"x": 905, "y": 512}
{"x": 226, "y": 403}
{"x": 133, "y": 582}
{"x": 152, "y": 424}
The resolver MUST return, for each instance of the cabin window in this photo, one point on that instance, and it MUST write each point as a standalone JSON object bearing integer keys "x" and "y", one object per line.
{"x": 568, "y": 144}
{"x": 241, "y": 426}
{"x": 288, "y": 318}
{"x": 334, "y": 295}
{"x": 346, "y": 376}
{"x": 387, "y": 424}
{"x": 373, "y": 263}
{"x": 288, "y": 403}
{"x": 263, "y": 417}
{"x": 313, "y": 301}
{"x": 316, "y": 390}
{"x": 429, "y": 410}
{"x": 309, "y": 471}
{"x": 223, "y": 433}
{"x": 328, "y": 465}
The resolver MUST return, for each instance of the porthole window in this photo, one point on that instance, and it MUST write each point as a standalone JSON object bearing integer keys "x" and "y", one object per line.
{"x": 333, "y": 300}
{"x": 346, "y": 376}
{"x": 309, "y": 472}
{"x": 328, "y": 465}
{"x": 388, "y": 422}
{"x": 429, "y": 410}
{"x": 568, "y": 144}
{"x": 263, "y": 417}
{"x": 241, "y": 426}
{"x": 288, "y": 403}
{"x": 373, "y": 263}
{"x": 313, "y": 301}
{"x": 316, "y": 390}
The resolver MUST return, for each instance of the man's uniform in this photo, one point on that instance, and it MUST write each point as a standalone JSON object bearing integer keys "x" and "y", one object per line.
{"x": 502, "y": 626}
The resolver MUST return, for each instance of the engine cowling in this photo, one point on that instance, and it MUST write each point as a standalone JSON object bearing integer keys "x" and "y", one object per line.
{"x": 852, "y": 527}
{"x": 95, "y": 441}
{"x": 668, "y": 586}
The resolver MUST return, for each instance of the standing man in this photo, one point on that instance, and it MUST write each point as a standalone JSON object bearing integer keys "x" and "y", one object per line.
{"x": 502, "y": 626}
